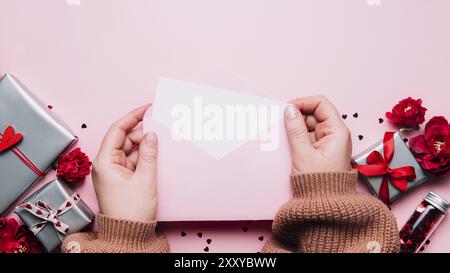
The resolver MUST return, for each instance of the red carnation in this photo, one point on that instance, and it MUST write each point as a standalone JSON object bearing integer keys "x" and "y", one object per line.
{"x": 17, "y": 239}
{"x": 408, "y": 113}
{"x": 432, "y": 150}
{"x": 74, "y": 166}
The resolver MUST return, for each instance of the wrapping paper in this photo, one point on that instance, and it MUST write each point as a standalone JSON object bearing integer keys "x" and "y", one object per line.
{"x": 45, "y": 138}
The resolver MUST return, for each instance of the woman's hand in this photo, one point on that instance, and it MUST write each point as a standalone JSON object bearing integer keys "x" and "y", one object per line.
{"x": 318, "y": 138}
{"x": 124, "y": 172}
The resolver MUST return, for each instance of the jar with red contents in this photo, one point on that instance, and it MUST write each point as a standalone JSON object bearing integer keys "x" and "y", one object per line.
{"x": 423, "y": 223}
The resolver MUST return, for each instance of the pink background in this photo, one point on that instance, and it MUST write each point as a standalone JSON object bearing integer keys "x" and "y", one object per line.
{"x": 95, "y": 61}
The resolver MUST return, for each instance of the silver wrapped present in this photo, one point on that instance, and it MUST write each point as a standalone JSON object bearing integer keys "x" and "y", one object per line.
{"x": 389, "y": 168}
{"x": 31, "y": 139}
{"x": 53, "y": 212}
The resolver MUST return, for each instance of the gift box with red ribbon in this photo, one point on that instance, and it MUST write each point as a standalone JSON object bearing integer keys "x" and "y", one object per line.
{"x": 53, "y": 212}
{"x": 389, "y": 168}
{"x": 31, "y": 139}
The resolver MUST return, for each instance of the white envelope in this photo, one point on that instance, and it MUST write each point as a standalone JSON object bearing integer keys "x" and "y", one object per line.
{"x": 223, "y": 155}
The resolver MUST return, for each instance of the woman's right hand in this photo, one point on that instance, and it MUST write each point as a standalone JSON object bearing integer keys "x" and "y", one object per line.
{"x": 124, "y": 172}
{"x": 318, "y": 138}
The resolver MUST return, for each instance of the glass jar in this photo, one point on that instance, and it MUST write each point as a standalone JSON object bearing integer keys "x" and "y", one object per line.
{"x": 423, "y": 223}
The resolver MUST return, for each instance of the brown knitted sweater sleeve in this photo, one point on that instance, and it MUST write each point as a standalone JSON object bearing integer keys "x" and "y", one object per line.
{"x": 117, "y": 235}
{"x": 328, "y": 215}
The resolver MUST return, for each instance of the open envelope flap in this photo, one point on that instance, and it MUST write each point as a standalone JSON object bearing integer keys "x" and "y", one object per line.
{"x": 217, "y": 121}
{"x": 205, "y": 174}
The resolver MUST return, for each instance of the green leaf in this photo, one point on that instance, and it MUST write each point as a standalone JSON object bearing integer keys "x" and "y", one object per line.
{"x": 407, "y": 129}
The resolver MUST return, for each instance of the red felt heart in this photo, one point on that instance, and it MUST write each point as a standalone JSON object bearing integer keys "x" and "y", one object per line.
{"x": 9, "y": 139}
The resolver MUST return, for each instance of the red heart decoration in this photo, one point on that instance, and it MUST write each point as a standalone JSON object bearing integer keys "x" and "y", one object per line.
{"x": 58, "y": 224}
{"x": 9, "y": 139}
{"x": 39, "y": 212}
{"x": 68, "y": 204}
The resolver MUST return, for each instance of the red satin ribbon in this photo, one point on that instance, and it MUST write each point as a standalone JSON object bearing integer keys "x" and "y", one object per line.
{"x": 25, "y": 159}
{"x": 378, "y": 165}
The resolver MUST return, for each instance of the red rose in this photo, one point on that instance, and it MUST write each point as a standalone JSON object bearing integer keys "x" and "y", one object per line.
{"x": 27, "y": 241}
{"x": 74, "y": 166}
{"x": 8, "y": 229}
{"x": 408, "y": 113}
{"x": 432, "y": 150}
{"x": 17, "y": 239}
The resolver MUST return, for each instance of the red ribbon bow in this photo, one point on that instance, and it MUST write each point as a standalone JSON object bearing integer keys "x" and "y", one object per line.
{"x": 378, "y": 165}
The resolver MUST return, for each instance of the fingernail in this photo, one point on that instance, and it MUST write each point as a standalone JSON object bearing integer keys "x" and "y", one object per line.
{"x": 150, "y": 137}
{"x": 291, "y": 112}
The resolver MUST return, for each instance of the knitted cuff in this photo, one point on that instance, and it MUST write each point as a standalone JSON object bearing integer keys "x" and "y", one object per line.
{"x": 125, "y": 233}
{"x": 324, "y": 184}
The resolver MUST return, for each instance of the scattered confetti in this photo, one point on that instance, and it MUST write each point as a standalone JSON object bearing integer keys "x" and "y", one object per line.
{"x": 206, "y": 249}
{"x": 200, "y": 234}
{"x": 245, "y": 229}
{"x": 355, "y": 115}
{"x": 50, "y": 107}
{"x": 183, "y": 234}
{"x": 380, "y": 120}
{"x": 83, "y": 126}
{"x": 261, "y": 238}
{"x": 208, "y": 241}
{"x": 406, "y": 140}
{"x": 360, "y": 137}
{"x": 344, "y": 116}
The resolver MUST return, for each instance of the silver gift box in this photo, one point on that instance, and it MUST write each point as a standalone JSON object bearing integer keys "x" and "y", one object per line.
{"x": 402, "y": 157}
{"x": 55, "y": 194}
{"x": 45, "y": 138}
